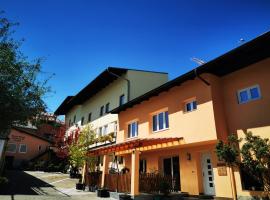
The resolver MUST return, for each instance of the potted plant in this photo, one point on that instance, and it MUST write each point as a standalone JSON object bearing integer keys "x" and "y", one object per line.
{"x": 78, "y": 149}
{"x": 103, "y": 192}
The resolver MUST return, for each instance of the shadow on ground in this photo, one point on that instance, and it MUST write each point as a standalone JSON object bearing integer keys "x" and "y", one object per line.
{"x": 23, "y": 183}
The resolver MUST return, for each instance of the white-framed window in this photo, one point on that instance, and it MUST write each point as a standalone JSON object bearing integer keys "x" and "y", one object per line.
{"x": 105, "y": 130}
{"x": 100, "y": 131}
{"x": 161, "y": 121}
{"x": 23, "y": 148}
{"x": 249, "y": 94}
{"x": 191, "y": 106}
{"x": 11, "y": 147}
{"x": 133, "y": 129}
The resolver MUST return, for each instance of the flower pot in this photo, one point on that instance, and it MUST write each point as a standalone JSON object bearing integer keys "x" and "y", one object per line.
{"x": 124, "y": 197}
{"x": 79, "y": 186}
{"x": 103, "y": 193}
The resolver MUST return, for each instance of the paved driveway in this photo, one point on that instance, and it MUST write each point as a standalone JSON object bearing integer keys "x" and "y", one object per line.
{"x": 28, "y": 185}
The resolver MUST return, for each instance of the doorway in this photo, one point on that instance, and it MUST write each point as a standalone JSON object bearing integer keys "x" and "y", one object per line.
{"x": 207, "y": 173}
{"x": 171, "y": 167}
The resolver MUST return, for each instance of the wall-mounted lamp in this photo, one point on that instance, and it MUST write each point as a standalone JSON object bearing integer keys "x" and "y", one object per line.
{"x": 188, "y": 156}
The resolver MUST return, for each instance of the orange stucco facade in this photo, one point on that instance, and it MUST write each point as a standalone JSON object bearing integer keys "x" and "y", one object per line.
{"x": 218, "y": 114}
{"x": 34, "y": 147}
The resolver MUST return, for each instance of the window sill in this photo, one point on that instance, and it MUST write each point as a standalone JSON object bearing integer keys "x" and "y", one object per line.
{"x": 131, "y": 138}
{"x": 250, "y": 100}
{"x": 160, "y": 130}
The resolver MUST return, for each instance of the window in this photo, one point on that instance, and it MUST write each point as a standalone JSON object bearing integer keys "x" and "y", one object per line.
{"x": 39, "y": 147}
{"x": 133, "y": 130}
{"x": 121, "y": 100}
{"x": 23, "y": 148}
{"x": 89, "y": 117}
{"x": 107, "y": 108}
{"x": 249, "y": 94}
{"x": 11, "y": 147}
{"x": 101, "y": 111}
{"x": 100, "y": 131}
{"x": 191, "y": 106}
{"x": 142, "y": 168}
{"x": 82, "y": 121}
{"x": 161, "y": 121}
{"x": 105, "y": 129}
{"x": 74, "y": 119}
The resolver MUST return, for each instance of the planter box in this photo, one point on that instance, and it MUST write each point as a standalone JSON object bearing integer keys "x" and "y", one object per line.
{"x": 79, "y": 186}
{"x": 103, "y": 193}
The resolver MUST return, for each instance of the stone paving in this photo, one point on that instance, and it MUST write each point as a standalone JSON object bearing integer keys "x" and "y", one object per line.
{"x": 29, "y": 185}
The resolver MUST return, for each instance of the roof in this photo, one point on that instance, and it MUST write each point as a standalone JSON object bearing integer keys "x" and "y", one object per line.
{"x": 30, "y": 131}
{"x": 136, "y": 143}
{"x": 236, "y": 59}
{"x": 101, "y": 81}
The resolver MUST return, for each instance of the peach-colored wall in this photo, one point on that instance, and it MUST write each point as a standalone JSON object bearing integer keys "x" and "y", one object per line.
{"x": 252, "y": 114}
{"x": 32, "y": 143}
{"x": 192, "y": 126}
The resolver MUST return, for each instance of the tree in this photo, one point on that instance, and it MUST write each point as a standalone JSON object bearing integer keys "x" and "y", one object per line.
{"x": 254, "y": 154}
{"x": 21, "y": 92}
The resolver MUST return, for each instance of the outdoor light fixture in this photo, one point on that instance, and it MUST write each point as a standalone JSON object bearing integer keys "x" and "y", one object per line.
{"x": 188, "y": 156}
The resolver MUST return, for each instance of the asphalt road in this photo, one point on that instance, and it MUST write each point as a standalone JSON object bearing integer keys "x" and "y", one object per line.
{"x": 29, "y": 185}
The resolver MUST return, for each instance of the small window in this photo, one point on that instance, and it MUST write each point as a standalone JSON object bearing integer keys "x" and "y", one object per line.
{"x": 191, "y": 106}
{"x": 23, "y": 148}
{"x": 249, "y": 94}
{"x": 39, "y": 148}
{"x": 121, "y": 99}
{"x": 74, "y": 119}
{"x": 101, "y": 111}
{"x": 89, "y": 117}
{"x": 160, "y": 121}
{"x": 100, "y": 131}
{"x": 11, "y": 148}
{"x": 105, "y": 130}
{"x": 107, "y": 108}
{"x": 133, "y": 130}
{"x": 82, "y": 121}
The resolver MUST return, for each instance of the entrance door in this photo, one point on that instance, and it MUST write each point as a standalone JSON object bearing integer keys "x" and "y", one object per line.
{"x": 207, "y": 173}
{"x": 171, "y": 168}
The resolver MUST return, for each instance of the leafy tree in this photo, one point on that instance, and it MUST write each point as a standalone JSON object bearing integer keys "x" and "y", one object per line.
{"x": 254, "y": 154}
{"x": 79, "y": 147}
{"x": 20, "y": 90}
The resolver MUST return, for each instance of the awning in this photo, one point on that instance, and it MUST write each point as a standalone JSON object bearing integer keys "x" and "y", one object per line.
{"x": 143, "y": 144}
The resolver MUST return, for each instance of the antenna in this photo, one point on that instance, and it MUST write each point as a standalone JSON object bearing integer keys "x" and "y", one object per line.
{"x": 198, "y": 61}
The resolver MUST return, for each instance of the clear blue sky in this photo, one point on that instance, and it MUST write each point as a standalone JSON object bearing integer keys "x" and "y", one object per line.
{"x": 80, "y": 38}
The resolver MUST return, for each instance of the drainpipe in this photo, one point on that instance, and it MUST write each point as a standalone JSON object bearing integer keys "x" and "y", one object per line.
{"x": 201, "y": 78}
{"x": 128, "y": 83}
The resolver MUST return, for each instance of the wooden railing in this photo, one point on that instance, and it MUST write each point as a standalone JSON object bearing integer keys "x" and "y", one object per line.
{"x": 118, "y": 182}
{"x": 94, "y": 179}
{"x": 151, "y": 183}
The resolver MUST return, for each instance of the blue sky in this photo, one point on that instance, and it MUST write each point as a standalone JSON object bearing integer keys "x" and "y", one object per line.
{"x": 80, "y": 38}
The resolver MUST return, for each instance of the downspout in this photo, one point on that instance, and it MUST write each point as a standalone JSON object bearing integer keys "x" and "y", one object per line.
{"x": 201, "y": 78}
{"x": 128, "y": 83}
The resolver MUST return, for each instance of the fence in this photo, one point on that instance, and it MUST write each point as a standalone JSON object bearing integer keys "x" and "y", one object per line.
{"x": 118, "y": 182}
{"x": 150, "y": 183}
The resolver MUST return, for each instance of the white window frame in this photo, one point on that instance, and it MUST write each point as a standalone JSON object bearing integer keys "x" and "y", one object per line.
{"x": 20, "y": 148}
{"x": 192, "y": 106}
{"x": 164, "y": 121}
{"x": 105, "y": 130}
{"x": 15, "y": 148}
{"x": 249, "y": 94}
{"x": 129, "y": 135}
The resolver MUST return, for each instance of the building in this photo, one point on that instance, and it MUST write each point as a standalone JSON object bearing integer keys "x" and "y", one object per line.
{"x": 111, "y": 88}
{"x": 172, "y": 130}
{"x": 24, "y": 144}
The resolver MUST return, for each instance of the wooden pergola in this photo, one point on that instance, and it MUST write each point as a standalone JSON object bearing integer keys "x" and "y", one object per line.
{"x": 138, "y": 144}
